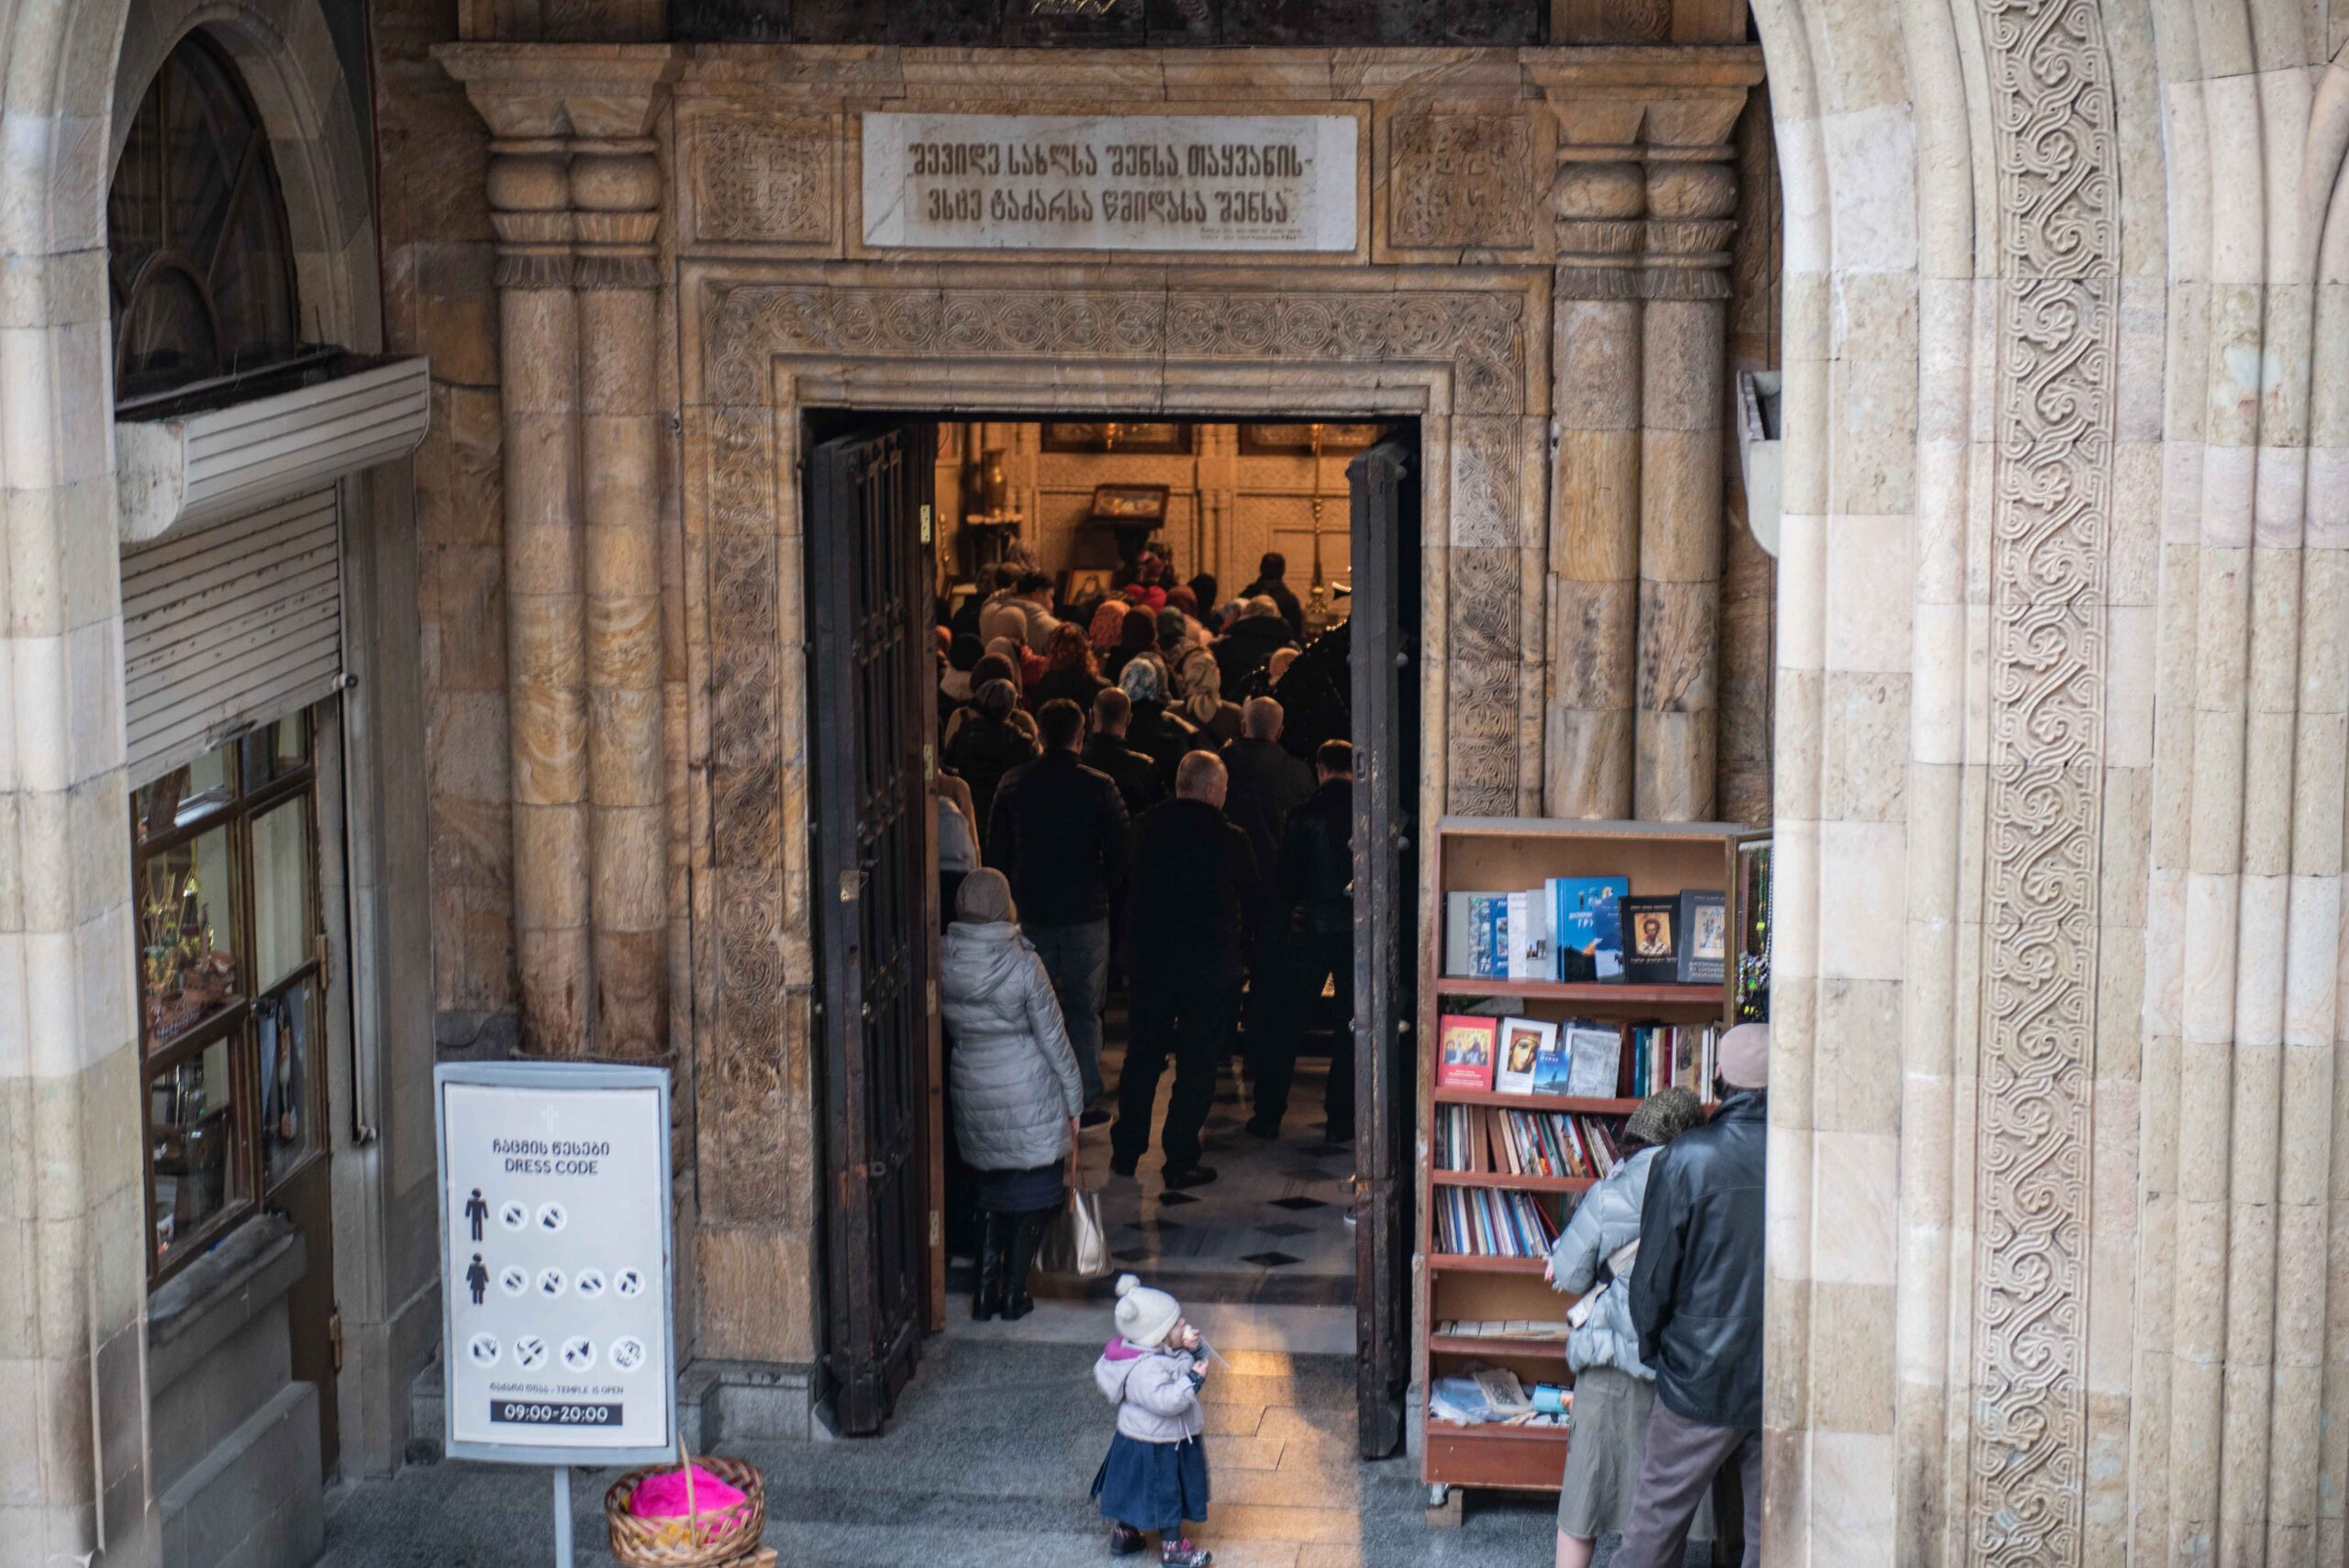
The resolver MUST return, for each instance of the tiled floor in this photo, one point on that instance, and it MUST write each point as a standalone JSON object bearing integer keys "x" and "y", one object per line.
{"x": 1272, "y": 1227}
{"x": 988, "y": 1461}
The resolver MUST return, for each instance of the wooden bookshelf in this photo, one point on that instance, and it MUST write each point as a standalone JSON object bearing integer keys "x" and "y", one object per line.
{"x": 1488, "y": 854}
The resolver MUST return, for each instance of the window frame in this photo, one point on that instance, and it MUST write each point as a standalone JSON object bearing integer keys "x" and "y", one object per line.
{"x": 236, "y": 1023}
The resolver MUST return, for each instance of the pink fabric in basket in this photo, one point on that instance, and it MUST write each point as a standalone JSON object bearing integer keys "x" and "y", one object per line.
{"x": 662, "y": 1496}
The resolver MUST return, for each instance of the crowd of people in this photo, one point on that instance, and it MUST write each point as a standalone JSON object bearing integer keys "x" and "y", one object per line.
{"x": 1105, "y": 809}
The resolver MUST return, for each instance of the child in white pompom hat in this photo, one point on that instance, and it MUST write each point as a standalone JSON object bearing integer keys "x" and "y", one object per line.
{"x": 1156, "y": 1472}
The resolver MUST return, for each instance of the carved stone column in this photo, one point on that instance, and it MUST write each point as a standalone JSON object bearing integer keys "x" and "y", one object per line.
{"x": 1595, "y": 516}
{"x": 1684, "y": 360}
{"x": 530, "y": 196}
{"x": 615, "y": 191}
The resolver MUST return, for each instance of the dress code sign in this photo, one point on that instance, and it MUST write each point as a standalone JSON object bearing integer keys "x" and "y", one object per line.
{"x": 555, "y": 1261}
{"x": 1111, "y": 182}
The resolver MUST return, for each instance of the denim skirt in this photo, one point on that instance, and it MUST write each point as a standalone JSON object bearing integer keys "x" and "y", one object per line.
{"x": 1152, "y": 1485}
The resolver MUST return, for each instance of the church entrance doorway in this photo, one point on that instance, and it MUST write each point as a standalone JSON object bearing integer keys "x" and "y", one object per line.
{"x": 926, "y": 538}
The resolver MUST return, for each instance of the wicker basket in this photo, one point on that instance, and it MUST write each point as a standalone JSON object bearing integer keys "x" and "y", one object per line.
{"x": 701, "y": 1540}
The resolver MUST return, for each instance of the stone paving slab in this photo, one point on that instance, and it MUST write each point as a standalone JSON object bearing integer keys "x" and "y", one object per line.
{"x": 987, "y": 1465}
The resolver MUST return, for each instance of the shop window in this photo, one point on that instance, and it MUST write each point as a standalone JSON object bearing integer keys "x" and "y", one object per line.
{"x": 200, "y": 263}
{"x": 232, "y": 986}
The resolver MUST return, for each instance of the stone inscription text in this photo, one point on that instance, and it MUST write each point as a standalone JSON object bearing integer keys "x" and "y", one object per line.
{"x": 1131, "y": 182}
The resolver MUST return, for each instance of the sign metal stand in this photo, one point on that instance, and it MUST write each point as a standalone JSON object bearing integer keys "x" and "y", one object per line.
{"x": 558, "y": 1341}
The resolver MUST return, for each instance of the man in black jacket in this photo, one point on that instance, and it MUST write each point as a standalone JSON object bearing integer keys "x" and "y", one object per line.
{"x": 1194, "y": 889}
{"x": 1058, "y": 831}
{"x": 1249, "y": 641}
{"x": 1269, "y": 572}
{"x": 1132, "y": 772}
{"x": 1696, "y": 1300}
{"x": 1268, "y": 782}
{"x": 1314, "y": 902}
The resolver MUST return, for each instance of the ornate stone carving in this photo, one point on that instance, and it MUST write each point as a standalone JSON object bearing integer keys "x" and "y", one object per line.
{"x": 766, "y": 179}
{"x": 2056, "y": 167}
{"x": 1481, "y": 335}
{"x": 1455, "y": 180}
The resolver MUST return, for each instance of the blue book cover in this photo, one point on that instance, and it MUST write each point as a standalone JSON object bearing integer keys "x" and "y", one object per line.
{"x": 1587, "y": 920}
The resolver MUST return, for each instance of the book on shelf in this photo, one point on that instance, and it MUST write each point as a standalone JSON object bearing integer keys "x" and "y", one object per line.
{"x": 1586, "y": 927}
{"x": 1595, "y": 1057}
{"x": 1521, "y": 1043}
{"x": 1492, "y": 1222}
{"x": 1529, "y": 936}
{"x": 1475, "y": 934}
{"x": 1651, "y": 938}
{"x": 1664, "y": 1056}
{"x": 1553, "y": 1063}
{"x": 1503, "y": 1328}
{"x": 1704, "y": 937}
{"x": 1465, "y": 1046}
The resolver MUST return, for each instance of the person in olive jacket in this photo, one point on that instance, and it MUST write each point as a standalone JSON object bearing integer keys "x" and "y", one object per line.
{"x": 1696, "y": 1303}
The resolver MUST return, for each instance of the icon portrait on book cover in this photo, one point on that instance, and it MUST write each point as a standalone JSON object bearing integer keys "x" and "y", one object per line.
{"x": 1464, "y": 1049}
{"x": 1524, "y": 1045}
{"x": 1709, "y": 937}
{"x": 1651, "y": 934}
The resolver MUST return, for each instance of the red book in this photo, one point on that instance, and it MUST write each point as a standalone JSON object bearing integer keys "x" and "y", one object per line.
{"x": 1465, "y": 1046}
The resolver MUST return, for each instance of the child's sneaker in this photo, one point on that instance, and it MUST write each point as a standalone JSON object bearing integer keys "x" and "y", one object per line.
{"x": 1180, "y": 1554}
{"x": 1125, "y": 1541}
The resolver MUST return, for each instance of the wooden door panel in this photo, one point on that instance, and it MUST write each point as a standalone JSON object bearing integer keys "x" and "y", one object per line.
{"x": 1386, "y": 699}
{"x": 869, "y": 674}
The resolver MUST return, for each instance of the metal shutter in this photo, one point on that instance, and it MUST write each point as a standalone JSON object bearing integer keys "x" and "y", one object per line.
{"x": 229, "y": 625}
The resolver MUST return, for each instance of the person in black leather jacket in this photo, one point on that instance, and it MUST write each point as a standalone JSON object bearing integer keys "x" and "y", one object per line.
{"x": 1696, "y": 1300}
{"x": 1317, "y": 908}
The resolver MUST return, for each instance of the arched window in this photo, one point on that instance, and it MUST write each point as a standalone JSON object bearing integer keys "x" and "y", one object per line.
{"x": 200, "y": 264}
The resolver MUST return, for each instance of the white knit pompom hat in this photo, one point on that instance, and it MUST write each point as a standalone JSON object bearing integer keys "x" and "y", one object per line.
{"x": 1145, "y": 1317}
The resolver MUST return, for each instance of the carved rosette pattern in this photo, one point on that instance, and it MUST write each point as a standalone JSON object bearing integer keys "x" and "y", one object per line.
{"x": 1460, "y": 179}
{"x": 2059, "y": 246}
{"x": 766, "y": 178}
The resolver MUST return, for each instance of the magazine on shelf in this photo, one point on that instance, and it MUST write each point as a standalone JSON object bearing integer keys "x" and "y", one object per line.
{"x": 1595, "y": 1054}
{"x": 1704, "y": 937}
{"x": 1651, "y": 940}
{"x": 1586, "y": 927}
{"x": 1521, "y": 1043}
{"x": 1465, "y": 1046}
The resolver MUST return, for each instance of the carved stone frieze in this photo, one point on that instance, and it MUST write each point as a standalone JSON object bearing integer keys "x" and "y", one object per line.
{"x": 1459, "y": 180}
{"x": 1480, "y": 335}
{"x": 2055, "y": 415}
{"x": 764, "y": 178}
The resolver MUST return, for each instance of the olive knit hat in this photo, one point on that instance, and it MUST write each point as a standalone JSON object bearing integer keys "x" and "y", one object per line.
{"x": 1145, "y": 1317}
{"x": 1661, "y": 1117}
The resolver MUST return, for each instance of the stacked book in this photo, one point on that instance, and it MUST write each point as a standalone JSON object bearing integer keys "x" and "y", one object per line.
{"x": 1664, "y": 1056}
{"x": 1586, "y": 929}
{"x": 1525, "y": 1143}
{"x": 1484, "y": 1222}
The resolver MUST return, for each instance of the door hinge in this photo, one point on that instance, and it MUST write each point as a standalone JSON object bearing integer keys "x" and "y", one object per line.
{"x": 334, "y": 1336}
{"x": 925, "y": 522}
{"x": 326, "y": 963}
{"x": 930, "y": 993}
{"x": 937, "y": 1228}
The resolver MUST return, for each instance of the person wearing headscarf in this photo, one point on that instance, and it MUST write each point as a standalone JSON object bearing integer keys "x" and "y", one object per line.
{"x": 1069, "y": 669}
{"x": 1156, "y": 732}
{"x": 1017, "y": 1091}
{"x": 1028, "y": 668}
{"x": 1203, "y": 704}
{"x": 1247, "y": 642}
{"x": 1614, "y": 1390}
{"x": 1177, "y": 650}
{"x": 988, "y": 745}
{"x": 1109, "y": 623}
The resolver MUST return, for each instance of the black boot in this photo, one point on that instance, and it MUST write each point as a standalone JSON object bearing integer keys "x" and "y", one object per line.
{"x": 1027, "y": 1233}
{"x": 995, "y": 1240}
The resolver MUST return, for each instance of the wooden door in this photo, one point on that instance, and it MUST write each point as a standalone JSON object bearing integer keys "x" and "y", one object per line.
{"x": 874, "y": 901}
{"x": 1383, "y": 630}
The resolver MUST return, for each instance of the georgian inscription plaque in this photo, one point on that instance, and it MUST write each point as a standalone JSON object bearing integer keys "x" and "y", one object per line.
{"x": 1111, "y": 182}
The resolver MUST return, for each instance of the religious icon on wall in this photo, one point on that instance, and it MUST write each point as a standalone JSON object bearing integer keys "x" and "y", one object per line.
{"x": 1297, "y": 440}
{"x": 1115, "y": 436}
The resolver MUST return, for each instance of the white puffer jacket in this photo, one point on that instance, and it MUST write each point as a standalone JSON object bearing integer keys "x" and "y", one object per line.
{"x": 1604, "y": 1223}
{"x": 1016, "y": 1083}
{"x": 1152, "y": 1391}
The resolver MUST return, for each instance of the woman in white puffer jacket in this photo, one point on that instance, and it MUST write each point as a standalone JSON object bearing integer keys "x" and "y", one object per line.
{"x": 1017, "y": 1090}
